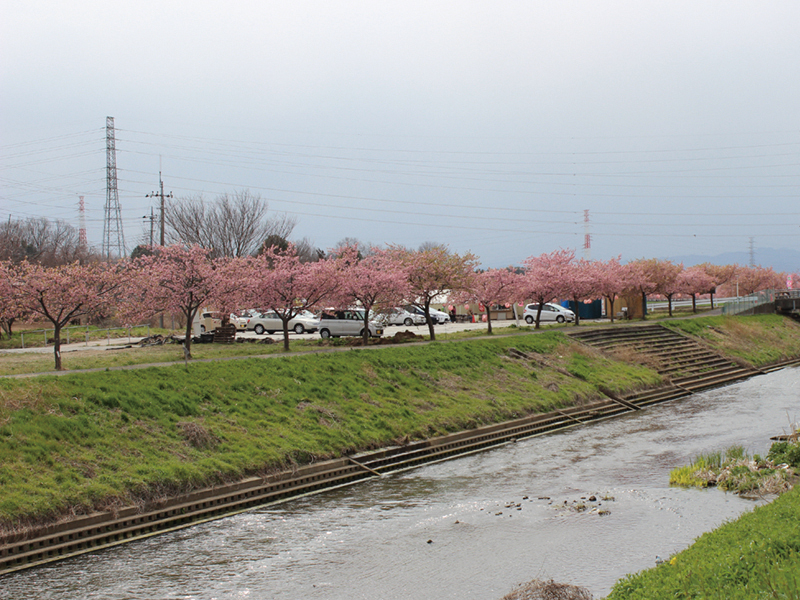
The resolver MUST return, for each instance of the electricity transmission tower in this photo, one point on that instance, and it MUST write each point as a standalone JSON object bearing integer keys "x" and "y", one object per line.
{"x": 82, "y": 240}
{"x": 113, "y": 236}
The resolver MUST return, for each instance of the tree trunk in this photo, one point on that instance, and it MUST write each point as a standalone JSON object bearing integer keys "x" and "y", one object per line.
{"x": 577, "y": 311}
{"x": 488, "y": 318}
{"x": 427, "y": 310}
{"x": 285, "y": 323}
{"x": 712, "y": 300}
{"x": 644, "y": 306}
{"x": 669, "y": 303}
{"x": 611, "y": 307}
{"x": 57, "y": 345}
{"x": 538, "y": 315}
{"x": 187, "y": 340}
{"x": 365, "y": 337}
{"x": 694, "y": 303}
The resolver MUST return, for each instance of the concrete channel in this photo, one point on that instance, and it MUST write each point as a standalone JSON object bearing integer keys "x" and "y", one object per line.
{"x": 689, "y": 366}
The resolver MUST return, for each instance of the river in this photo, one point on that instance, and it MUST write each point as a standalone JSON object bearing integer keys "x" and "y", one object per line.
{"x": 467, "y": 528}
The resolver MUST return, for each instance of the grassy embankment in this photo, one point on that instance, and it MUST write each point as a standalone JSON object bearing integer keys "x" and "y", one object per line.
{"x": 101, "y": 358}
{"x": 755, "y": 556}
{"x": 96, "y": 440}
{"x": 756, "y": 340}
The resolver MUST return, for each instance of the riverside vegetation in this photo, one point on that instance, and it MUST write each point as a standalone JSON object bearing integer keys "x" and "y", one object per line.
{"x": 89, "y": 441}
{"x": 93, "y": 441}
{"x": 755, "y": 556}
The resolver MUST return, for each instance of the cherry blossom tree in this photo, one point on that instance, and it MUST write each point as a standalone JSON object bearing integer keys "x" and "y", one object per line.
{"x": 612, "y": 279}
{"x": 63, "y": 293}
{"x": 754, "y": 279}
{"x": 490, "y": 287}
{"x": 579, "y": 283}
{"x": 694, "y": 281}
{"x": 180, "y": 279}
{"x": 434, "y": 271}
{"x": 642, "y": 280}
{"x": 281, "y": 282}
{"x": 720, "y": 275}
{"x": 374, "y": 280}
{"x": 665, "y": 275}
{"x": 10, "y": 310}
{"x": 544, "y": 278}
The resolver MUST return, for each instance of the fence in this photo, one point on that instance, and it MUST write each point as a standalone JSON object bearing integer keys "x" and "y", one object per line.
{"x": 86, "y": 330}
{"x": 740, "y": 305}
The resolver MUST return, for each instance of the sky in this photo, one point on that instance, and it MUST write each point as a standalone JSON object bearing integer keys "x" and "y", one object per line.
{"x": 491, "y": 127}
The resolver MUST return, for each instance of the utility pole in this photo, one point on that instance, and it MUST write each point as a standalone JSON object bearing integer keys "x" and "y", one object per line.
{"x": 160, "y": 194}
{"x": 152, "y": 218}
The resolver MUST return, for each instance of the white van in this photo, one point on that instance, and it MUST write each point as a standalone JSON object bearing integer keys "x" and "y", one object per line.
{"x": 346, "y": 322}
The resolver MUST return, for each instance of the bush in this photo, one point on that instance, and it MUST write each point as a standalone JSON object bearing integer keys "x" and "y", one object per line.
{"x": 785, "y": 452}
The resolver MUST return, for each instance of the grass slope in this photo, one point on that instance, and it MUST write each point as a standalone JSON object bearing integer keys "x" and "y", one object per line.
{"x": 95, "y": 440}
{"x": 759, "y": 340}
{"x": 755, "y": 556}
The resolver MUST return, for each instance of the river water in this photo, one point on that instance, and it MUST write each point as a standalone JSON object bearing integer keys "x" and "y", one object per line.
{"x": 467, "y": 528}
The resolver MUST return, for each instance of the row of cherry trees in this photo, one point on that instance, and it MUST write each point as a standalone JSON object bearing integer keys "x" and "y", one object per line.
{"x": 181, "y": 280}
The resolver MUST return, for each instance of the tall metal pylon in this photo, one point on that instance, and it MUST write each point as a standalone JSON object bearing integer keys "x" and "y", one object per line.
{"x": 113, "y": 236}
{"x": 82, "y": 240}
{"x": 587, "y": 237}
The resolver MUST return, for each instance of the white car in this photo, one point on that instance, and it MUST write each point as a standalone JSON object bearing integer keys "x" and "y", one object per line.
{"x": 400, "y": 316}
{"x": 550, "y": 312}
{"x": 270, "y": 322}
{"x": 346, "y": 322}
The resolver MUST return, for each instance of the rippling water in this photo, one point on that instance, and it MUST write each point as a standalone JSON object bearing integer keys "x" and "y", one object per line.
{"x": 460, "y": 529}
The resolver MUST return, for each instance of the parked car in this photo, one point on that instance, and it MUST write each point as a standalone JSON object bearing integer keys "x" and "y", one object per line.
{"x": 346, "y": 322}
{"x": 242, "y": 318}
{"x": 270, "y": 322}
{"x": 400, "y": 316}
{"x": 437, "y": 316}
{"x": 550, "y": 312}
{"x": 209, "y": 321}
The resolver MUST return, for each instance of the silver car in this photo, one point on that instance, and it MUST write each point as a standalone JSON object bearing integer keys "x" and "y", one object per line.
{"x": 270, "y": 322}
{"x": 400, "y": 316}
{"x": 346, "y": 322}
{"x": 437, "y": 316}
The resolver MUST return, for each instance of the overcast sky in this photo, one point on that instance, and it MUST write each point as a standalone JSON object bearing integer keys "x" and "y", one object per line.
{"x": 489, "y": 126}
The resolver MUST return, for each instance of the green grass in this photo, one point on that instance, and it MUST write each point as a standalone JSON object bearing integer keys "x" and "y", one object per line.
{"x": 758, "y": 340}
{"x": 36, "y": 338}
{"x": 755, "y": 556}
{"x": 99, "y": 358}
{"x": 97, "y": 439}
{"x": 28, "y": 362}
{"x": 742, "y": 478}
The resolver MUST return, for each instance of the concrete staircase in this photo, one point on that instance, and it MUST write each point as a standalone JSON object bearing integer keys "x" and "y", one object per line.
{"x": 686, "y": 364}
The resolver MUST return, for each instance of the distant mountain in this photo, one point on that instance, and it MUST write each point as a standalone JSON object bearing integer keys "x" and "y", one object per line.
{"x": 782, "y": 259}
